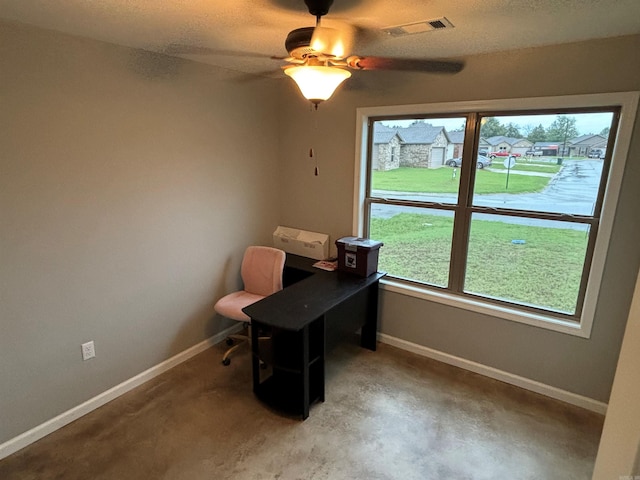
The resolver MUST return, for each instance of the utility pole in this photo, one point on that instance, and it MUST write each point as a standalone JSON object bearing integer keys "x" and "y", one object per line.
{"x": 564, "y": 142}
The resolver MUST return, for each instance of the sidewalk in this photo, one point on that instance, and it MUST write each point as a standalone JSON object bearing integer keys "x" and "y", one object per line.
{"x": 515, "y": 171}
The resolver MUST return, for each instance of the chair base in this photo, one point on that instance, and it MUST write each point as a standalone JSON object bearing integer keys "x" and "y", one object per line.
{"x": 236, "y": 341}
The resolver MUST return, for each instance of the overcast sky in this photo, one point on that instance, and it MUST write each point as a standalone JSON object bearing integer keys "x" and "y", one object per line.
{"x": 585, "y": 122}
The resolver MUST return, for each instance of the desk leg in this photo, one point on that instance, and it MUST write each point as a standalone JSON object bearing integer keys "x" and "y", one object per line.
{"x": 323, "y": 354}
{"x": 305, "y": 372}
{"x": 369, "y": 331}
{"x": 255, "y": 357}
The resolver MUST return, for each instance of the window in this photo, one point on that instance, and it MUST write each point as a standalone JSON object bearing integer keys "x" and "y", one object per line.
{"x": 507, "y": 233}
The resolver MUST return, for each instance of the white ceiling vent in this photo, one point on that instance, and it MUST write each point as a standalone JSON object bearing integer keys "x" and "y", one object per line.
{"x": 418, "y": 27}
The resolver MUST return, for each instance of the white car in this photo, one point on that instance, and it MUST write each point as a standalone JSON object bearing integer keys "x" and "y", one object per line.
{"x": 481, "y": 163}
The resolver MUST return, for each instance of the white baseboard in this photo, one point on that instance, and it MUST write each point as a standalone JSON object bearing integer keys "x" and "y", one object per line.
{"x": 522, "y": 382}
{"x": 50, "y": 426}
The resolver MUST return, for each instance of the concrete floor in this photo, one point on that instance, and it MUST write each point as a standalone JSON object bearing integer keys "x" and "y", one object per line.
{"x": 388, "y": 415}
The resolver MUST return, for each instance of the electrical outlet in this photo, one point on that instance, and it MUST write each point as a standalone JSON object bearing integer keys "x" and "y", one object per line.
{"x": 88, "y": 350}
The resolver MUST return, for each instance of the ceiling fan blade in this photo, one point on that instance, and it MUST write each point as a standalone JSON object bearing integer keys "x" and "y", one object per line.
{"x": 406, "y": 64}
{"x": 250, "y": 77}
{"x": 183, "y": 49}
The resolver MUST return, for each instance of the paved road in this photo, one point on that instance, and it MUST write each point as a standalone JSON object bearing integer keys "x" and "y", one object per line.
{"x": 572, "y": 190}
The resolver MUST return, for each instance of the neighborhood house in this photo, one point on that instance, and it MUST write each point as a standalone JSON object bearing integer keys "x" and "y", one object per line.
{"x": 424, "y": 145}
{"x": 582, "y": 146}
{"x": 502, "y": 144}
{"x": 418, "y": 145}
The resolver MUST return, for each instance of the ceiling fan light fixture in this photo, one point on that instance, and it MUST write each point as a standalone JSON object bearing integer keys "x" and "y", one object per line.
{"x": 317, "y": 83}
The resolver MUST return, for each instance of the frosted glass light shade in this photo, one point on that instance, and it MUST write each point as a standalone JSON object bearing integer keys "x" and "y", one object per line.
{"x": 317, "y": 83}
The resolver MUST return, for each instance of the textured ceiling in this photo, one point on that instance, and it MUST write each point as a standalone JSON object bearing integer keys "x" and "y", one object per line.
{"x": 242, "y": 34}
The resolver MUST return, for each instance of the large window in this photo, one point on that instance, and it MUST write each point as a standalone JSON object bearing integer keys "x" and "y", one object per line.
{"x": 498, "y": 208}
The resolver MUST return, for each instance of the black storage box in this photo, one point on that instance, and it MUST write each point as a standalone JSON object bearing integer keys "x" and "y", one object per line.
{"x": 358, "y": 255}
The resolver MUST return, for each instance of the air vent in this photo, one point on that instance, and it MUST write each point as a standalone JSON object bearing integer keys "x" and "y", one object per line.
{"x": 418, "y": 27}
{"x": 437, "y": 24}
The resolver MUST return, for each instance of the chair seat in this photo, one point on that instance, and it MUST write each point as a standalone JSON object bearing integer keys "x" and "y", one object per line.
{"x": 231, "y": 305}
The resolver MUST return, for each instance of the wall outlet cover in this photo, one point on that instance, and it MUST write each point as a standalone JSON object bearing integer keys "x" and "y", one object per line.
{"x": 88, "y": 350}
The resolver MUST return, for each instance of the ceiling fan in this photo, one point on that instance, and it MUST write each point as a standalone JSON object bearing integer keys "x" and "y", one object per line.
{"x": 319, "y": 57}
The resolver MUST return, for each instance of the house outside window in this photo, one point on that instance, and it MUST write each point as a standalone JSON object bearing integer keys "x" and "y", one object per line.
{"x": 520, "y": 238}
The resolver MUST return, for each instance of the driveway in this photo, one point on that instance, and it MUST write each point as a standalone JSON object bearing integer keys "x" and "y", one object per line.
{"x": 574, "y": 190}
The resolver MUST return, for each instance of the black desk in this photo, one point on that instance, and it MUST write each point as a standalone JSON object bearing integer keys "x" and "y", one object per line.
{"x": 293, "y": 329}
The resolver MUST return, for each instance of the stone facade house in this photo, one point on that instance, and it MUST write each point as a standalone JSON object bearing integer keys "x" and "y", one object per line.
{"x": 425, "y": 145}
{"x": 418, "y": 145}
{"x": 386, "y": 148}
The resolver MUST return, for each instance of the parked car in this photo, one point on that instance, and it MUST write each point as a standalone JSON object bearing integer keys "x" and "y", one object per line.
{"x": 504, "y": 153}
{"x": 481, "y": 163}
{"x": 484, "y": 152}
{"x": 596, "y": 154}
{"x": 533, "y": 153}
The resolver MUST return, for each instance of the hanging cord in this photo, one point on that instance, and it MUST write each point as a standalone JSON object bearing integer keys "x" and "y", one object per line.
{"x": 314, "y": 134}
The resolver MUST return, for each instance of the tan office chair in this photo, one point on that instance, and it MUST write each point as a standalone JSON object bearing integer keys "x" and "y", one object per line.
{"x": 261, "y": 273}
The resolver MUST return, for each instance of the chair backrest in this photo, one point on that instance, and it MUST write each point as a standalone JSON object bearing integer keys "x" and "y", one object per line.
{"x": 262, "y": 270}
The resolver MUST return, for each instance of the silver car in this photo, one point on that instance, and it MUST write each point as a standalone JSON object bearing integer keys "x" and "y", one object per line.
{"x": 481, "y": 163}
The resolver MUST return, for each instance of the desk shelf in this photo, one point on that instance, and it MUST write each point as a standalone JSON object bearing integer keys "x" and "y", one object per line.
{"x": 284, "y": 349}
{"x": 284, "y": 390}
{"x": 291, "y": 376}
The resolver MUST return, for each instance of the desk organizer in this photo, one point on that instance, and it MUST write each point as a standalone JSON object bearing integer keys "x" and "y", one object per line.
{"x": 301, "y": 242}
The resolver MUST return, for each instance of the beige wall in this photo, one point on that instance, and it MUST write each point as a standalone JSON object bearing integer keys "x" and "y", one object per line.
{"x": 619, "y": 453}
{"x": 325, "y": 203}
{"x": 129, "y": 186}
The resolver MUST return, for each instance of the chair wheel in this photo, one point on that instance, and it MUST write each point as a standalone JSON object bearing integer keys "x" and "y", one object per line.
{"x": 226, "y": 362}
{"x": 229, "y": 341}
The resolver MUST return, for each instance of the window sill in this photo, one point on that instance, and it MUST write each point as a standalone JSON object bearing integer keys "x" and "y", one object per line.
{"x": 473, "y": 305}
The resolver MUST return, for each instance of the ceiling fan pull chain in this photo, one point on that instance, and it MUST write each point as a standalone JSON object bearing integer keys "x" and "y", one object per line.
{"x": 314, "y": 131}
{"x": 311, "y": 155}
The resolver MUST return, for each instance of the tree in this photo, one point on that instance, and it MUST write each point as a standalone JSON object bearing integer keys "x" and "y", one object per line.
{"x": 492, "y": 128}
{"x": 605, "y": 132}
{"x": 512, "y": 130}
{"x": 562, "y": 130}
{"x": 526, "y": 130}
{"x": 538, "y": 134}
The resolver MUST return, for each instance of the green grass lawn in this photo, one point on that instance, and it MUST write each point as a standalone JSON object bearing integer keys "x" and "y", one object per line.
{"x": 442, "y": 180}
{"x": 544, "y": 271}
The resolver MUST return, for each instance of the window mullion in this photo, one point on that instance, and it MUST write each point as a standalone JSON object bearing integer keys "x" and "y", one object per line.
{"x": 462, "y": 218}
